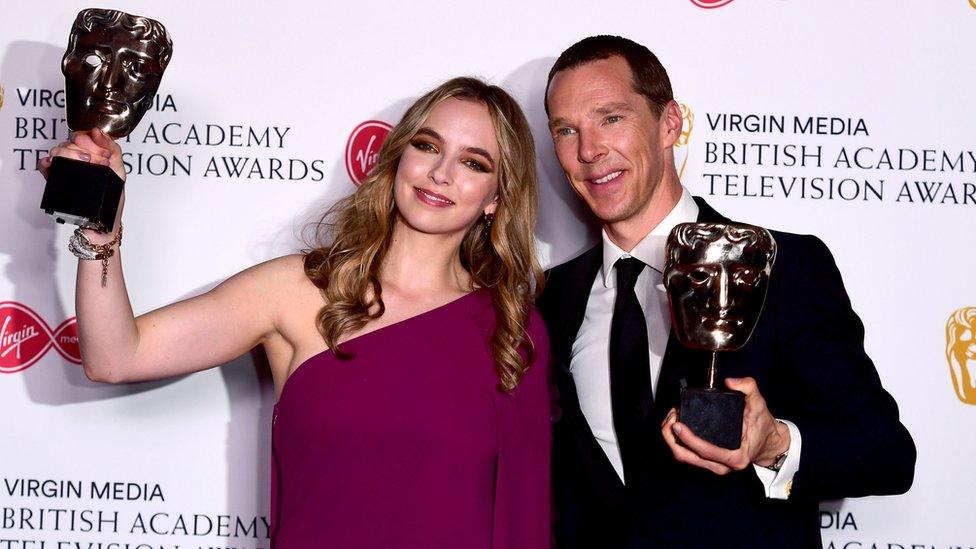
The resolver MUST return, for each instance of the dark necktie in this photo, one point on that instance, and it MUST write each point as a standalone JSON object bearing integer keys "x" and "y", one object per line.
{"x": 630, "y": 376}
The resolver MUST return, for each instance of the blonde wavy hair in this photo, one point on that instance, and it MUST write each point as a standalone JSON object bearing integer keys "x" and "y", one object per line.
{"x": 502, "y": 259}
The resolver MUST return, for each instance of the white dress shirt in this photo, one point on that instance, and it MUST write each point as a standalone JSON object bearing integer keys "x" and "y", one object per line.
{"x": 590, "y": 362}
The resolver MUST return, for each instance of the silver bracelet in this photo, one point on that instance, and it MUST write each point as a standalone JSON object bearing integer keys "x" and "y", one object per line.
{"x": 82, "y": 247}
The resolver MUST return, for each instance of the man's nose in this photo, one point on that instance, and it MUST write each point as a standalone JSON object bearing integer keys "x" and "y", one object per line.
{"x": 590, "y": 147}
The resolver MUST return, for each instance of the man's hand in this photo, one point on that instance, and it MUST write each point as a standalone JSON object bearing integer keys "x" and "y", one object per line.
{"x": 763, "y": 438}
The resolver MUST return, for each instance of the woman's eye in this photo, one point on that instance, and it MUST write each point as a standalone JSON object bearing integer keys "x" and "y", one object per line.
{"x": 477, "y": 166}
{"x": 423, "y": 146}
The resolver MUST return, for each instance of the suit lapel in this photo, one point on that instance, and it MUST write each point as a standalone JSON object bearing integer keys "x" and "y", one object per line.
{"x": 574, "y": 294}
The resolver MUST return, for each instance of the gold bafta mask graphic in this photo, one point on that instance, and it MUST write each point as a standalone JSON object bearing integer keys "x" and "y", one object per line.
{"x": 681, "y": 149}
{"x": 961, "y": 353}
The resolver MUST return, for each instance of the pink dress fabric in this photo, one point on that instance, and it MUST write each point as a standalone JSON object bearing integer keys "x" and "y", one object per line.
{"x": 411, "y": 445}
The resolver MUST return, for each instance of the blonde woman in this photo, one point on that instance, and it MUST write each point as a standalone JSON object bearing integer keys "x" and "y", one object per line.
{"x": 409, "y": 363}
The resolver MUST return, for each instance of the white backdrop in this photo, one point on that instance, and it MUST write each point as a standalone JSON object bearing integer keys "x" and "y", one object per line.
{"x": 184, "y": 463}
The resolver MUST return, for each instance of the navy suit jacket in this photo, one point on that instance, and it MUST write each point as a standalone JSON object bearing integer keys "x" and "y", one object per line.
{"x": 807, "y": 356}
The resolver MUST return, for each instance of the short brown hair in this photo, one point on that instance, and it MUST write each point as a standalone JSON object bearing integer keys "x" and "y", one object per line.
{"x": 649, "y": 77}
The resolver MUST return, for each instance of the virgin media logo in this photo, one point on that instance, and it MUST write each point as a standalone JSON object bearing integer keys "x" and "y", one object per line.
{"x": 709, "y": 4}
{"x": 363, "y": 148}
{"x": 25, "y": 338}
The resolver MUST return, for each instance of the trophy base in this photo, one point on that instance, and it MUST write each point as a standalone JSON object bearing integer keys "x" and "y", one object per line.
{"x": 82, "y": 194}
{"x": 713, "y": 415}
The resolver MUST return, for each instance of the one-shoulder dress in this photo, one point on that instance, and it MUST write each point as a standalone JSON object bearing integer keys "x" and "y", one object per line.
{"x": 411, "y": 443}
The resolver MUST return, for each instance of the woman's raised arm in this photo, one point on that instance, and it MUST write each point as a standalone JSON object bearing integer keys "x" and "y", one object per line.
{"x": 181, "y": 338}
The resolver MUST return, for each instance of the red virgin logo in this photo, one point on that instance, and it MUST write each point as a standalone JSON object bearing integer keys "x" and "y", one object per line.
{"x": 363, "y": 148}
{"x": 709, "y": 4}
{"x": 25, "y": 338}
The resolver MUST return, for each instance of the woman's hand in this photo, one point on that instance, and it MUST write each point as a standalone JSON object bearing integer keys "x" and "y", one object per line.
{"x": 95, "y": 147}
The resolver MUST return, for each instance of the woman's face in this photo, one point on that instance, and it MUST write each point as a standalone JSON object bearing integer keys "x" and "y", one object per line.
{"x": 448, "y": 174}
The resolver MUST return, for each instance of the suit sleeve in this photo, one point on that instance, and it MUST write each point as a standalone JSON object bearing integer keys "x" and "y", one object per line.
{"x": 853, "y": 442}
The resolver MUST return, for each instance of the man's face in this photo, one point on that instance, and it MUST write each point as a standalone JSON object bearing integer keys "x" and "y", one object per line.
{"x": 609, "y": 142}
{"x": 716, "y": 282}
{"x": 110, "y": 80}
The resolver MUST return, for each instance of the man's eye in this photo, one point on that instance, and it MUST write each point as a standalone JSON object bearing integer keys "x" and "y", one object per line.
{"x": 613, "y": 119}
{"x": 565, "y": 131}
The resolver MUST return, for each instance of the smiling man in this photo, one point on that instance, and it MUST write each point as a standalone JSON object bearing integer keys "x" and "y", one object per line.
{"x": 817, "y": 425}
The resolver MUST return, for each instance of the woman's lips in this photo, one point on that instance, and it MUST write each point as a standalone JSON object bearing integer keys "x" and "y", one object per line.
{"x": 432, "y": 198}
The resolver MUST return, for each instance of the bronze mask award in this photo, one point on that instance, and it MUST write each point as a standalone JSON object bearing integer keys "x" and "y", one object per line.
{"x": 716, "y": 277}
{"x": 112, "y": 69}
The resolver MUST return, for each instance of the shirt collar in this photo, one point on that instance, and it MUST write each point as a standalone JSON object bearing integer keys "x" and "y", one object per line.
{"x": 650, "y": 249}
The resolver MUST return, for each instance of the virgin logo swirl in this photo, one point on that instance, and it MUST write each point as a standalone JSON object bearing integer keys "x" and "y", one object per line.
{"x": 25, "y": 338}
{"x": 709, "y": 4}
{"x": 363, "y": 148}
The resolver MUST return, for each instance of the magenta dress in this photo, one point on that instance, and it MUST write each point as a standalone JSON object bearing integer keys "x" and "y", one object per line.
{"x": 411, "y": 445}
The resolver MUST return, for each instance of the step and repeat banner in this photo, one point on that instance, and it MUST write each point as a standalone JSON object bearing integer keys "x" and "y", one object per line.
{"x": 853, "y": 121}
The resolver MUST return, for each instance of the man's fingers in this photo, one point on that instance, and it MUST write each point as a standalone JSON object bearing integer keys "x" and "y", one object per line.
{"x": 745, "y": 385}
{"x": 685, "y": 455}
{"x": 732, "y": 459}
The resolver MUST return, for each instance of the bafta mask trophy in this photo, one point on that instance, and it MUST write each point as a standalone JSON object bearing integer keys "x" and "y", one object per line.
{"x": 716, "y": 276}
{"x": 112, "y": 69}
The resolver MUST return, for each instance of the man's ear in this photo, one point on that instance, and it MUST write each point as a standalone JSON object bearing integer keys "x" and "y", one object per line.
{"x": 671, "y": 123}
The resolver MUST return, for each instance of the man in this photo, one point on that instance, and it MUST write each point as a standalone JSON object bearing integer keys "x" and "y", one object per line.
{"x": 817, "y": 424}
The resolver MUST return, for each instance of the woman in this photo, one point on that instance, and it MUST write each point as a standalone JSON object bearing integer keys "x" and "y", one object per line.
{"x": 409, "y": 364}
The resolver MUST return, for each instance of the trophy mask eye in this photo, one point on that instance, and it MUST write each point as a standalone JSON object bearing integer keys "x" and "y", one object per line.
{"x": 699, "y": 276}
{"x": 139, "y": 69}
{"x": 746, "y": 277}
{"x": 93, "y": 60}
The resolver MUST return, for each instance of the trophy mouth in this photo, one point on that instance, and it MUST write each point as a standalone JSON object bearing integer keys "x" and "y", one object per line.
{"x": 725, "y": 323}
{"x": 109, "y": 106}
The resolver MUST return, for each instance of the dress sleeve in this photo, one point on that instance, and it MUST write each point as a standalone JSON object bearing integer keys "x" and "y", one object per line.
{"x": 522, "y": 518}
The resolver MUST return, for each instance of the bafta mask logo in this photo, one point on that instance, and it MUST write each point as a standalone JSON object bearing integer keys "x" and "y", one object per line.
{"x": 710, "y": 4}
{"x": 112, "y": 69}
{"x": 363, "y": 148}
{"x": 681, "y": 149}
{"x": 961, "y": 353}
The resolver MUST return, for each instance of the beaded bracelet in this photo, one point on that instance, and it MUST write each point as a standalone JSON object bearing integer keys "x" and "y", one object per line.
{"x": 83, "y": 248}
